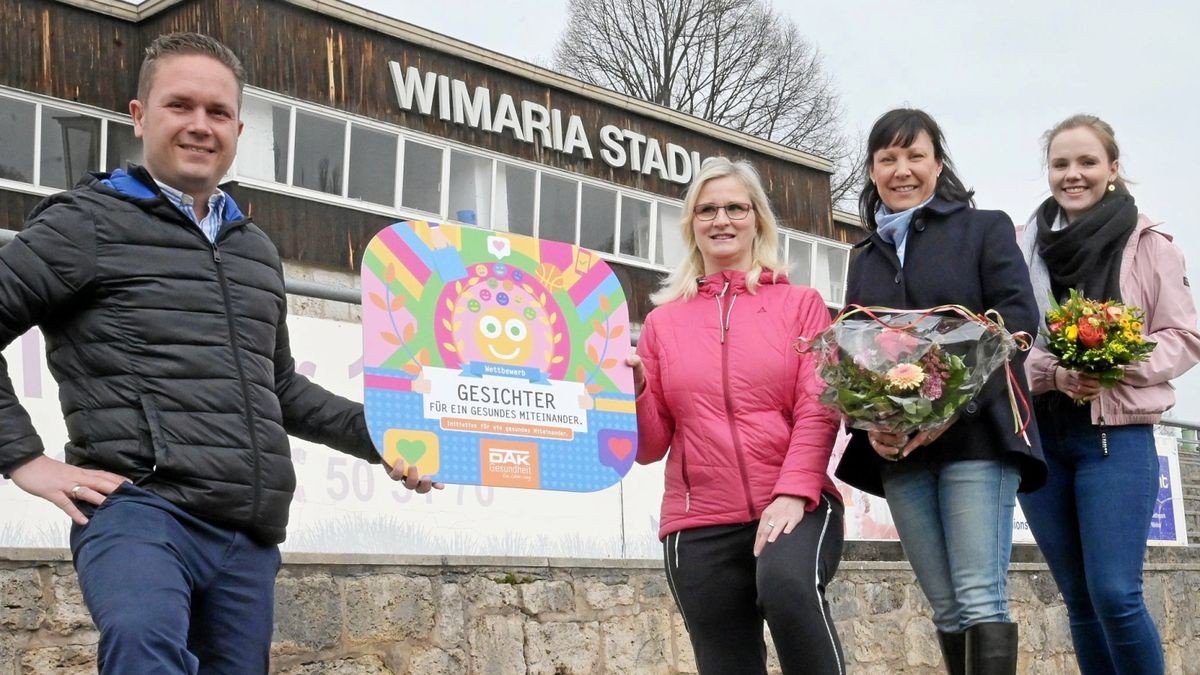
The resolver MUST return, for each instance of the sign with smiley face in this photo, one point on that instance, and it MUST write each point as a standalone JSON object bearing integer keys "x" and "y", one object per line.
{"x": 492, "y": 358}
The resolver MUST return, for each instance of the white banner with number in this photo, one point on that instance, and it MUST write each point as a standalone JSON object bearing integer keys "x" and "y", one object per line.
{"x": 344, "y": 505}
{"x": 868, "y": 518}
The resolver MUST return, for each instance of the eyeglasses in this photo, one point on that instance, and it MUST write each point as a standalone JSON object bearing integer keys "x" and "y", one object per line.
{"x": 735, "y": 211}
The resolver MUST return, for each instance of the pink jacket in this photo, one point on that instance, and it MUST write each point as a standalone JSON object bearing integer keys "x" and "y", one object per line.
{"x": 1153, "y": 277}
{"x": 733, "y": 401}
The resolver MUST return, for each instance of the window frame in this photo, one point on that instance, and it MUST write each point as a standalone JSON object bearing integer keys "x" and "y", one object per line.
{"x": 402, "y": 134}
{"x": 39, "y": 103}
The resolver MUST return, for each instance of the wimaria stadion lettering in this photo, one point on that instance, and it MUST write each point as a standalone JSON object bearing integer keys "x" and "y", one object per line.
{"x": 531, "y": 122}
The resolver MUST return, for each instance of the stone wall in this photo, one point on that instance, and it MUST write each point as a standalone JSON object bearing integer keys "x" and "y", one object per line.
{"x": 376, "y": 615}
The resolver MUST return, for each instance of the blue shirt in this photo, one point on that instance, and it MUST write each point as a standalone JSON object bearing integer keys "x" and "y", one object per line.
{"x": 212, "y": 222}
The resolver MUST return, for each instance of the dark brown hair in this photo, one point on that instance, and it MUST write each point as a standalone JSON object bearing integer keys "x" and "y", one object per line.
{"x": 901, "y": 127}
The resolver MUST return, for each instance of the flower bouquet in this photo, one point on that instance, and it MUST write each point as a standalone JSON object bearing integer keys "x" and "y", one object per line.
{"x": 902, "y": 371}
{"x": 1096, "y": 337}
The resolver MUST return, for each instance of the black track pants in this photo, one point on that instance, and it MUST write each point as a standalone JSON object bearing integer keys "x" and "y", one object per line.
{"x": 725, "y": 593}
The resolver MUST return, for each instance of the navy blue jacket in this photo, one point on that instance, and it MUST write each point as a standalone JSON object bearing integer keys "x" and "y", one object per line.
{"x": 171, "y": 353}
{"x": 959, "y": 255}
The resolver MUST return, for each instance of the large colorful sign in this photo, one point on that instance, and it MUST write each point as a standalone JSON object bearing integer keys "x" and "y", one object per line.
{"x": 496, "y": 359}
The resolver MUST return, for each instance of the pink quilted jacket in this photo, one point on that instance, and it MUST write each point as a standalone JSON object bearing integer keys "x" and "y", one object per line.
{"x": 730, "y": 402}
{"x": 1153, "y": 277}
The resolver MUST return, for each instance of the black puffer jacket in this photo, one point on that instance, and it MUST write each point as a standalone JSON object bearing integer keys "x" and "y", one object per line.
{"x": 171, "y": 353}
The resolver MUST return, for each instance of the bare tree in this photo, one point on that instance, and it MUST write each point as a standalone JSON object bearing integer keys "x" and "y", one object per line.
{"x": 734, "y": 62}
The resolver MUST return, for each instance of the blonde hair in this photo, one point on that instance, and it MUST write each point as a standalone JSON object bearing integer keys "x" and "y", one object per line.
{"x": 681, "y": 283}
{"x": 1103, "y": 132}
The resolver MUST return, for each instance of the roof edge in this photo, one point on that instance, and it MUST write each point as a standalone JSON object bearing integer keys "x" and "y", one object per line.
{"x": 849, "y": 218}
{"x": 424, "y": 37}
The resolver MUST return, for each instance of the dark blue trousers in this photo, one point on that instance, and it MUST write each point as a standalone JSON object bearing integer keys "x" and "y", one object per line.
{"x": 1091, "y": 520}
{"x": 171, "y": 593}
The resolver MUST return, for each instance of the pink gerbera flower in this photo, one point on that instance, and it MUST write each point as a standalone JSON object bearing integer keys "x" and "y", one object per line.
{"x": 905, "y": 377}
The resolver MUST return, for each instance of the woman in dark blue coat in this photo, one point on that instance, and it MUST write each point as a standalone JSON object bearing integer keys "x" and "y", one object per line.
{"x": 951, "y": 490}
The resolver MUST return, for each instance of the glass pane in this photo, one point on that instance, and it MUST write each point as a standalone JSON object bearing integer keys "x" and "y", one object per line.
{"x": 831, "y": 273}
{"x": 263, "y": 147}
{"x": 470, "y": 189}
{"x": 556, "y": 216}
{"x": 70, "y": 146}
{"x": 670, "y": 237}
{"x": 598, "y": 219}
{"x": 635, "y": 227}
{"x": 799, "y": 258}
{"x": 123, "y": 147}
{"x": 422, "y": 188}
{"x": 514, "y": 199}
{"x": 16, "y": 137}
{"x": 372, "y": 166}
{"x": 320, "y": 147}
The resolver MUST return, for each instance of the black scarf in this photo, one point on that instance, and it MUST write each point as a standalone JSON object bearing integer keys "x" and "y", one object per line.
{"x": 1086, "y": 255}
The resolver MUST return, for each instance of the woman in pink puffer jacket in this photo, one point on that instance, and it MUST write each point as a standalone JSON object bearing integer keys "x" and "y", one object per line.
{"x": 751, "y": 522}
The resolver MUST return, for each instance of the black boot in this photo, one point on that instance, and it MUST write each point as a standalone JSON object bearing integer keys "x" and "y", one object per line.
{"x": 992, "y": 649}
{"x": 954, "y": 652}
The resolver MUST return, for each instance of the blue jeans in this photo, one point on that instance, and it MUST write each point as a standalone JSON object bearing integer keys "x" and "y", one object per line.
{"x": 171, "y": 593}
{"x": 1091, "y": 521}
{"x": 955, "y": 523}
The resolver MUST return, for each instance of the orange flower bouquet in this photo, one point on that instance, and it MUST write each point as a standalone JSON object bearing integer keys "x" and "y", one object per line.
{"x": 1096, "y": 337}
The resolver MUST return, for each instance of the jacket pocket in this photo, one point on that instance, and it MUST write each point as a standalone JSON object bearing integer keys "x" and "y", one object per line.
{"x": 154, "y": 425}
{"x": 683, "y": 470}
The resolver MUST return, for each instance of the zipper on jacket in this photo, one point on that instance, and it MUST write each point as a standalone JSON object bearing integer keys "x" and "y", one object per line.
{"x": 241, "y": 371}
{"x": 687, "y": 481}
{"x": 1103, "y": 429}
{"x": 723, "y": 316}
{"x": 729, "y": 413}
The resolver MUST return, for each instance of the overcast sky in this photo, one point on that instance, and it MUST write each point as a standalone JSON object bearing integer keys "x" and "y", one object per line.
{"x": 994, "y": 75}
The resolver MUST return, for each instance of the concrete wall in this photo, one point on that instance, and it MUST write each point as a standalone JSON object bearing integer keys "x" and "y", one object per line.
{"x": 430, "y": 615}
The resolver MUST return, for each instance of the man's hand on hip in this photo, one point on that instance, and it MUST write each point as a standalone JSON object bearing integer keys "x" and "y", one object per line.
{"x": 63, "y": 485}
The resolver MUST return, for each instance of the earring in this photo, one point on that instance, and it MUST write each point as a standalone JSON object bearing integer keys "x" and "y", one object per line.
{"x": 1112, "y": 187}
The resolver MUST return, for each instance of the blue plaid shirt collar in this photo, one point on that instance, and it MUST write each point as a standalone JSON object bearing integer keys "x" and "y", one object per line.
{"x": 211, "y": 225}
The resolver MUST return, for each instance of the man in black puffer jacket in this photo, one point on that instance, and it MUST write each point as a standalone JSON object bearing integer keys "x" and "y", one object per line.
{"x": 164, "y": 311}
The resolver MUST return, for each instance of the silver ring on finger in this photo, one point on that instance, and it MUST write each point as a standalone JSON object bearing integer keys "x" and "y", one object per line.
{"x": 770, "y": 525}
{"x": 75, "y": 491}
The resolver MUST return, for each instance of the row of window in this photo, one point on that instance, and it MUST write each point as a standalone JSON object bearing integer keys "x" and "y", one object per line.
{"x": 364, "y": 161}
{"x": 52, "y": 146}
{"x": 325, "y": 154}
